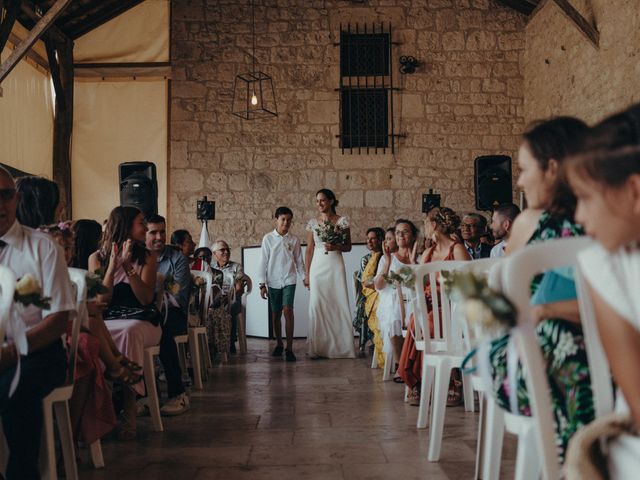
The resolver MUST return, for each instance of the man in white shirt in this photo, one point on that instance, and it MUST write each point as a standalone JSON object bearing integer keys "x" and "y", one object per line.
{"x": 281, "y": 264}
{"x": 27, "y": 251}
{"x": 501, "y": 223}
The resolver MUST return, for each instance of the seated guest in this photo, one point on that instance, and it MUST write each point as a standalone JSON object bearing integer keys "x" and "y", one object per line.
{"x": 606, "y": 180}
{"x": 501, "y": 222}
{"x": 45, "y": 366}
{"x": 38, "y": 201}
{"x": 182, "y": 239}
{"x": 375, "y": 237}
{"x": 63, "y": 235}
{"x": 232, "y": 286}
{"x": 130, "y": 276}
{"x": 541, "y": 157}
{"x": 385, "y": 310}
{"x": 472, "y": 228}
{"x": 202, "y": 259}
{"x": 391, "y": 309}
{"x": 91, "y": 409}
{"x": 369, "y": 292}
{"x": 171, "y": 263}
{"x": 440, "y": 226}
{"x": 87, "y": 235}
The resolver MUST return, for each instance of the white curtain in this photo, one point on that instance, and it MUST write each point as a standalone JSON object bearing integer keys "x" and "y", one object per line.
{"x": 138, "y": 35}
{"x": 116, "y": 122}
{"x": 26, "y": 119}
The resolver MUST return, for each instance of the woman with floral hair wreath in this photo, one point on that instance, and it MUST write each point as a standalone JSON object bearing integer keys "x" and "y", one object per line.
{"x": 441, "y": 224}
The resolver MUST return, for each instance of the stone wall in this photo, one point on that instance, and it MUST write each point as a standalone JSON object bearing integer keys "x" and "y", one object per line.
{"x": 466, "y": 100}
{"x": 565, "y": 74}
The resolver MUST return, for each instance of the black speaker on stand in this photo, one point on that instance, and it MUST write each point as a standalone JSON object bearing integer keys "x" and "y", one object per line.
{"x": 493, "y": 181}
{"x": 139, "y": 186}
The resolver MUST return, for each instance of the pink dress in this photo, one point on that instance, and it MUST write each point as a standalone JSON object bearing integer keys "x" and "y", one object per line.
{"x": 98, "y": 416}
{"x": 132, "y": 336}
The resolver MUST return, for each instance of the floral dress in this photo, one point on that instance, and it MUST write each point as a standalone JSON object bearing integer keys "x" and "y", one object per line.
{"x": 360, "y": 318}
{"x": 218, "y": 320}
{"x": 563, "y": 349}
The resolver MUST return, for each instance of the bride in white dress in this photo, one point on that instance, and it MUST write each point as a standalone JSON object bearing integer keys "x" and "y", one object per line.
{"x": 330, "y": 330}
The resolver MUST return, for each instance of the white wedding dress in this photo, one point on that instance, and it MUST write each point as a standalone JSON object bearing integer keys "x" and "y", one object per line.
{"x": 330, "y": 331}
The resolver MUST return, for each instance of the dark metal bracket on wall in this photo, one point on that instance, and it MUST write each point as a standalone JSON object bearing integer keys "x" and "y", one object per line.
{"x": 366, "y": 113}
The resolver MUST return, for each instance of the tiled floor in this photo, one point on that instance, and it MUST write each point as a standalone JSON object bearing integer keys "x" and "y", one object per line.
{"x": 261, "y": 418}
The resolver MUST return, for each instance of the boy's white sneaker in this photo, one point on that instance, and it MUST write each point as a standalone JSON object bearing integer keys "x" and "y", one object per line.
{"x": 176, "y": 405}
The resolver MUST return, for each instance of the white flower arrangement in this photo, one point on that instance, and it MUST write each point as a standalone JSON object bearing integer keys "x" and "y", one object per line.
{"x": 485, "y": 309}
{"x": 29, "y": 292}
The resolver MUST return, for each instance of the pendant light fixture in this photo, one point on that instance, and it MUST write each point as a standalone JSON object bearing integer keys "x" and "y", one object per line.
{"x": 253, "y": 92}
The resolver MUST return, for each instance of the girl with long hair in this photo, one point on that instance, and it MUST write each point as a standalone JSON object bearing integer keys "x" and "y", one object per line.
{"x": 130, "y": 276}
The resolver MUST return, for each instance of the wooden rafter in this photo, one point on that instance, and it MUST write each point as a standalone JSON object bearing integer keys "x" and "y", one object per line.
{"x": 522, "y": 6}
{"x": 40, "y": 28}
{"x": 587, "y": 29}
{"x": 123, "y": 69}
{"x": 96, "y": 15}
{"x": 29, "y": 9}
{"x": 8, "y": 21}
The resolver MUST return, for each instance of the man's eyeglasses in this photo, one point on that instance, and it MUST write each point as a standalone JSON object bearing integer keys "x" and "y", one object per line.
{"x": 470, "y": 226}
{"x": 7, "y": 194}
{"x": 224, "y": 250}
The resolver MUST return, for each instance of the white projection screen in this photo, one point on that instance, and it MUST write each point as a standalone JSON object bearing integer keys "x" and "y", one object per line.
{"x": 258, "y": 309}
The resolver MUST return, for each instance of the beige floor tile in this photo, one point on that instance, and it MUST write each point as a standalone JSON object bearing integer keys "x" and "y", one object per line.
{"x": 317, "y": 455}
{"x": 260, "y": 418}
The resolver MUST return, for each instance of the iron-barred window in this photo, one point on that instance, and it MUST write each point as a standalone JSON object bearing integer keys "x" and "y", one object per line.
{"x": 366, "y": 89}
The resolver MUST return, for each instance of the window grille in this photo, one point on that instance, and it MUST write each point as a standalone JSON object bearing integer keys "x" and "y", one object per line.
{"x": 366, "y": 89}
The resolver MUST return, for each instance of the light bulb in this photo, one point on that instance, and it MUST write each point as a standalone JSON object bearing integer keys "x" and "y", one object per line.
{"x": 254, "y": 99}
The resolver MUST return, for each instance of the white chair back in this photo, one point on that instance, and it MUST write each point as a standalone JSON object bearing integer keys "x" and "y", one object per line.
{"x": 81, "y": 316}
{"x": 444, "y": 339}
{"x": 481, "y": 266}
{"x": 517, "y": 274}
{"x": 603, "y": 394}
{"x": 7, "y": 290}
{"x": 208, "y": 278}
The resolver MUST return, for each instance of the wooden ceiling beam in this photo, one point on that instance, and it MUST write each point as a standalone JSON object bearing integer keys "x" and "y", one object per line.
{"x": 589, "y": 31}
{"x": 36, "y": 32}
{"x": 29, "y": 9}
{"x": 123, "y": 70}
{"x": 80, "y": 26}
{"x": 11, "y": 13}
{"x": 14, "y": 40}
{"x": 522, "y": 6}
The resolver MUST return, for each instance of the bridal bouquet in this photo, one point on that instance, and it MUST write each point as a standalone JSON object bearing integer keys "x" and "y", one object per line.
{"x": 485, "y": 309}
{"x": 29, "y": 292}
{"x": 330, "y": 233}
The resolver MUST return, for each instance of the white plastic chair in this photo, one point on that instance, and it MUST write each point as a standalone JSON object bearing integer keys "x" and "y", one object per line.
{"x": 442, "y": 353}
{"x": 242, "y": 317}
{"x": 198, "y": 338}
{"x": 7, "y": 290}
{"x": 151, "y": 400}
{"x": 540, "y": 454}
{"x": 57, "y": 402}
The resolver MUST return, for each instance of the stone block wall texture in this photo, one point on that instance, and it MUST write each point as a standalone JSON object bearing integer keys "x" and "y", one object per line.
{"x": 565, "y": 74}
{"x": 465, "y": 100}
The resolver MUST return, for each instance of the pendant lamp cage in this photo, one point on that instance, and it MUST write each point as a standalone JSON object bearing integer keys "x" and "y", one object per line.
{"x": 253, "y": 92}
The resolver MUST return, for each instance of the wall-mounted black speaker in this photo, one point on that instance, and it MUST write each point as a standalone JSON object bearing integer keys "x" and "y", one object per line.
{"x": 493, "y": 181}
{"x": 139, "y": 186}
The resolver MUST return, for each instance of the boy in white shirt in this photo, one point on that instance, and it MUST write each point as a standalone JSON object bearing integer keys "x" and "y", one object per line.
{"x": 280, "y": 266}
